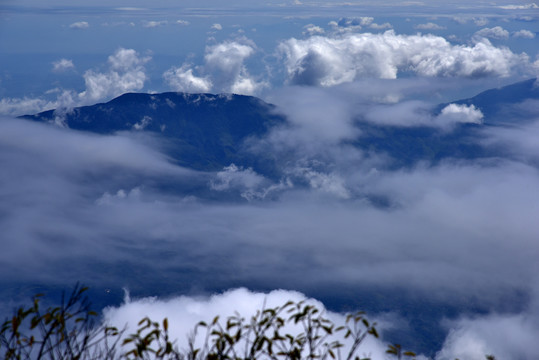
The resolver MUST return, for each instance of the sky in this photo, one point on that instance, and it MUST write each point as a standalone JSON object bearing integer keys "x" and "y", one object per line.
{"x": 458, "y": 235}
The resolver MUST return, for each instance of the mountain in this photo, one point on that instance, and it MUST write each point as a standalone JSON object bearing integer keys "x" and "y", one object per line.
{"x": 208, "y": 132}
{"x": 205, "y": 132}
{"x": 407, "y": 145}
{"x": 500, "y": 104}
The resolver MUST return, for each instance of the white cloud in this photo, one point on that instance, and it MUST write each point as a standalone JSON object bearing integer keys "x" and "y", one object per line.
{"x": 23, "y": 106}
{"x": 250, "y": 185}
{"x": 460, "y": 19}
{"x": 217, "y": 27}
{"x": 79, "y": 25}
{"x": 383, "y": 26}
{"x": 481, "y": 21}
{"x": 330, "y": 183}
{"x": 429, "y": 26}
{"x": 328, "y": 61}
{"x": 126, "y": 74}
{"x": 520, "y": 7}
{"x": 62, "y": 65}
{"x": 143, "y": 123}
{"x": 182, "y": 79}
{"x": 355, "y": 24}
{"x": 185, "y": 312}
{"x": 227, "y": 59}
{"x": 131, "y": 8}
{"x": 312, "y": 29}
{"x": 504, "y": 336}
{"x": 454, "y": 113}
{"x": 26, "y": 106}
{"x": 224, "y": 70}
{"x": 233, "y": 176}
{"x": 121, "y": 195}
{"x": 319, "y": 115}
{"x": 525, "y": 34}
{"x": 496, "y": 32}
{"x": 355, "y": 21}
{"x": 153, "y": 23}
{"x": 478, "y": 21}
{"x": 182, "y": 22}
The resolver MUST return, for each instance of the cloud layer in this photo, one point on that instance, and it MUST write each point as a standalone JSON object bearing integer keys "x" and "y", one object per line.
{"x": 336, "y": 220}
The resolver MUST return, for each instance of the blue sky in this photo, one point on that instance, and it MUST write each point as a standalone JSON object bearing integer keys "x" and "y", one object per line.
{"x": 463, "y": 232}
{"x": 47, "y": 48}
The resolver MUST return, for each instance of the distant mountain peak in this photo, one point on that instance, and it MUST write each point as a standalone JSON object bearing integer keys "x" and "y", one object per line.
{"x": 207, "y": 131}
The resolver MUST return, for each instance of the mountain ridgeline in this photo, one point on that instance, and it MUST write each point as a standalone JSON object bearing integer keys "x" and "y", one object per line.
{"x": 208, "y": 132}
{"x": 204, "y": 131}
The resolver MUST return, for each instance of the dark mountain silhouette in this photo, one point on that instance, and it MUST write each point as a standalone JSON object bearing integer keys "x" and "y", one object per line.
{"x": 407, "y": 145}
{"x": 499, "y": 105}
{"x": 205, "y": 132}
{"x": 208, "y": 132}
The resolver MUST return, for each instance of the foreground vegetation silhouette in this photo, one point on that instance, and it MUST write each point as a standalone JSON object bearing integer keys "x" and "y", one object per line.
{"x": 73, "y": 331}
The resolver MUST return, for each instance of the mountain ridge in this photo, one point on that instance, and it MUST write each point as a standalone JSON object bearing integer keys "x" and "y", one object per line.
{"x": 208, "y": 131}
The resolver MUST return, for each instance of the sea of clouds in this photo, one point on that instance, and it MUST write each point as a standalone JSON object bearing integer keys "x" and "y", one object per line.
{"x": 458, "y": 232}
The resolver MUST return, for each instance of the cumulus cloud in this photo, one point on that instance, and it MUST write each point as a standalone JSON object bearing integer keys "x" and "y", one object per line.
{"x": 182, "y": 79}
{"x": 223, "y": 70}
{"x": 312, "y": 29}
{"x": 182, "y": 22}
{"x": 79, "y": 25}
{"x": 525, "y": 34}
{"x": 62, "y": 65}
{"x": 126, "y": 73}
{"x": 496, "y": 32}
{"x": 217, "y": 27}
{"x": 328, "y": 61}
{"x": 184, "y": 313}
{"x": 454, "y": 113}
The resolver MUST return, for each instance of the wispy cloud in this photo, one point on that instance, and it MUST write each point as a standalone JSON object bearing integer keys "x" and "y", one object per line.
{"x": 153, "y": 23}
{"x": 79, "y": 25}
{"x": 62, "y": 65}
{"x": 429, "y": 26}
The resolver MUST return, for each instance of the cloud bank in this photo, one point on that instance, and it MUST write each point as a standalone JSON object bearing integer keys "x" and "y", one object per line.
{"x": 325, "y": 61}
{"x": 336, "y": 220}
{"x": 185, "y": 312}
